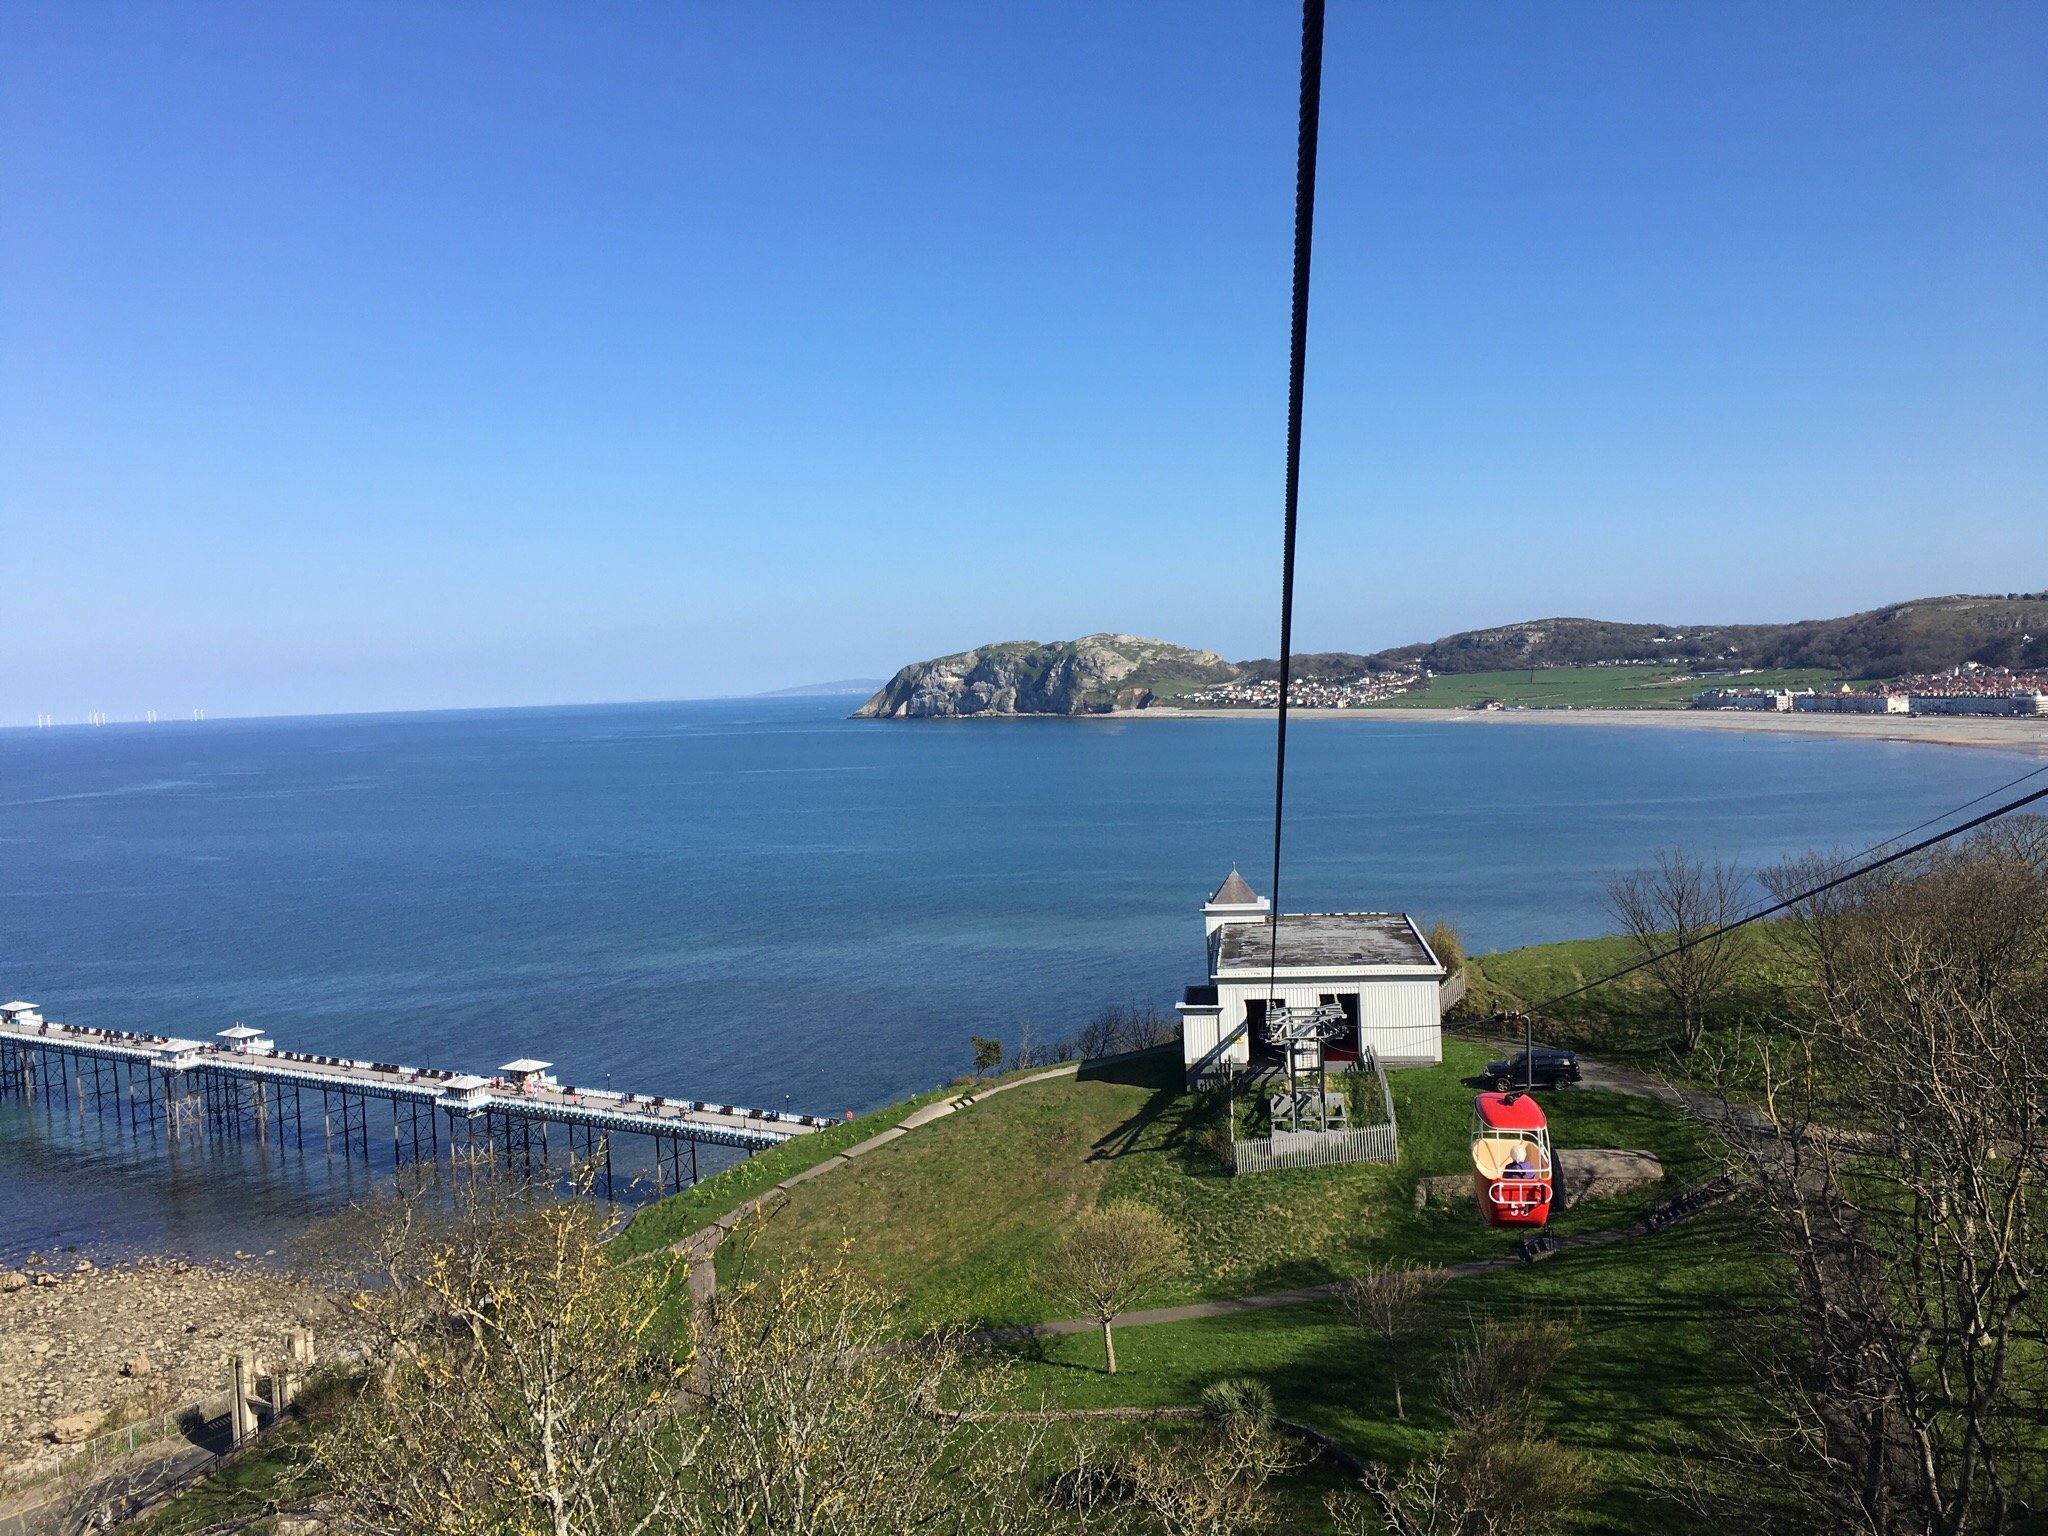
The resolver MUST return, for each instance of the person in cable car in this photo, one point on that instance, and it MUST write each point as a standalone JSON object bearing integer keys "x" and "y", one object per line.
{"x": 1511, "y": 1160}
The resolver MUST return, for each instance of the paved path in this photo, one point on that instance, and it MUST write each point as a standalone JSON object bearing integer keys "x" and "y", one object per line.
{"x": 1229, "y": 1307}
{"x": 700, "y": 1248}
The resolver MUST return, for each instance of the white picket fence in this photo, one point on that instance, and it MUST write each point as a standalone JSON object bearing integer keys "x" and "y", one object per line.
{"x": 1378, "y": 1143}
{"x": 1316, "y": 1149}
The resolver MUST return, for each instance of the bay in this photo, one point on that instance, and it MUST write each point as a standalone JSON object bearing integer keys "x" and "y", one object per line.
{"x": 762, "y": 902}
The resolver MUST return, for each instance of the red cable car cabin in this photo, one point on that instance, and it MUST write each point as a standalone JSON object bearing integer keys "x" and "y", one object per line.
{"x": 1511, "y": 1166}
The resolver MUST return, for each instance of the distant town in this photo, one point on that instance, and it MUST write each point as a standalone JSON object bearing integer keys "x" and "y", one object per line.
{"x": 1307, "y": 693}
{"x": 1969, "y": 689}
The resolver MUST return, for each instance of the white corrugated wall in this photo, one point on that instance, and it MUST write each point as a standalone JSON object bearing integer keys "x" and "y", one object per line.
{"x": 1399, "y": 1019}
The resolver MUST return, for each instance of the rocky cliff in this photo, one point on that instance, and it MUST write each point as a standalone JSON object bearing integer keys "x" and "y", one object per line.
{"x": 1090, "y": 676}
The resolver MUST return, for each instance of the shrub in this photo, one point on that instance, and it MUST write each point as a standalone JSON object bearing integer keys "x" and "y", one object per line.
{"x": 1449, "y": 947}
{"x": 1239, "y": 1400}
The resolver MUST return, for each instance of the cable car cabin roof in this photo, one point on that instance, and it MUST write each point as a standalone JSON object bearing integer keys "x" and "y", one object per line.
{"x": 1325, "y": 941}
{"x": 1509, "y": 1112}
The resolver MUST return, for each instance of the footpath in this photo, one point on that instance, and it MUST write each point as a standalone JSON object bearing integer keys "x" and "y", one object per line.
{"x": 700, "y": 1248}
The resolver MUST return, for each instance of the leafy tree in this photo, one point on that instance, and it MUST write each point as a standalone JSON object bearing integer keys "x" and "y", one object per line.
{"x": 988, "y": 1053}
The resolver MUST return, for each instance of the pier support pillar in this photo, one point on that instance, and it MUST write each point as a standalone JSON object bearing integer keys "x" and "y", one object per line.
{"x": 241, "y": 1390}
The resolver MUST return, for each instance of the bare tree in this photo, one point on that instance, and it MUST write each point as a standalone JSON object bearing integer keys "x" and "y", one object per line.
{"x": 529, "y": 1385}
{"x": 1898, "y": 1154}
{"x": 818, "y": 1421}
{"x": 1393, "y": 1306}
{"x": 1101, "y": 1035}
{"x": 1109, "y": 1257}
{"x": 1672, "y": 910}
{"x": 1821, "y": 922}
{"x": 1495, "y": 1473}
{"x": 1212, "y": 1482}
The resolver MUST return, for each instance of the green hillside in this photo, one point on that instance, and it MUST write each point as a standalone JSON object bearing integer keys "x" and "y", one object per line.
{"x": 1611, "y": 687}
{"x": 1924, "y": 635}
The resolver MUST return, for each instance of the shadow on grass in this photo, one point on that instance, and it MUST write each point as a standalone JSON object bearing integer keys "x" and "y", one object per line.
{"x": 1183, "y": 1118}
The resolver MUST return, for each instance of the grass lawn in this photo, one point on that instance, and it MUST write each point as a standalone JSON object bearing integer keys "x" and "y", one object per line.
{"x": 959, "y": 1218}
{"x": 671, "y": 1220}
{"x": 1649, "y": 1374}
{"x": 1647, "y": 687}
{"x": 1628, "y": 1021}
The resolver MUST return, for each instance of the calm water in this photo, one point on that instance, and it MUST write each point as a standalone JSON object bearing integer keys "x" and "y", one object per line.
{"x": 742, "y": 901}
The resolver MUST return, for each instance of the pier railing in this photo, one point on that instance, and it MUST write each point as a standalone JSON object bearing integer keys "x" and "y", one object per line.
{"x": 251, "y": 1090}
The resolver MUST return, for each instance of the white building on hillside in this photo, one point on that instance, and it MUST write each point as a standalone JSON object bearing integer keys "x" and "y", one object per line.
{"x": 1376, "y": 966}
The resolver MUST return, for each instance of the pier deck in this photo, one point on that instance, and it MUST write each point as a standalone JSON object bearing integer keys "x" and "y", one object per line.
{"x": 246, "y": 1069}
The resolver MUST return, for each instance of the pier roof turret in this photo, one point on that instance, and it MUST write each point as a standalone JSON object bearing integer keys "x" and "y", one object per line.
{"x": 1234, "y": 892}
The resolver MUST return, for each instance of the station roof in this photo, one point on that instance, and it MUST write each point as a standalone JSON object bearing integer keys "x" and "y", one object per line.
{"x": 17, "y": 1007}
{"x": 467, "y": 1082}
{"x": 525, "y": 1065}
{"x": 241, "y": 1032}
{"x": 1332, "y": 941}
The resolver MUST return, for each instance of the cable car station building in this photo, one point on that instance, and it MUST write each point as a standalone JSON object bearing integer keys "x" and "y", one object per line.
{"x": 1376, "y": 966}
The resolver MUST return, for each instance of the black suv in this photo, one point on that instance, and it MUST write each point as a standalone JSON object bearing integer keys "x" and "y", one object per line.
{"x": 1549, "y": 1069}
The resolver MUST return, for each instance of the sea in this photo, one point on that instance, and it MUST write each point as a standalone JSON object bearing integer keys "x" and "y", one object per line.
{"x": 763, "y": 902}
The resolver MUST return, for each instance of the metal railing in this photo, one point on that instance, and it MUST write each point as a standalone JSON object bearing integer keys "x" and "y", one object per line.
{"x": 187, "y": 1421}
{"x": 1450, "y": 991}
{"x": 1315, "y": 1149}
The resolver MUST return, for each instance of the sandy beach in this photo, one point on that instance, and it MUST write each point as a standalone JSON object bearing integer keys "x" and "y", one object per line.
{"x": 2028, "y": 736}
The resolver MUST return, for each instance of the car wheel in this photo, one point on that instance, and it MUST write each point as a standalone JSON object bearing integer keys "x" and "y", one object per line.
{"x": 1501, "y": 1085}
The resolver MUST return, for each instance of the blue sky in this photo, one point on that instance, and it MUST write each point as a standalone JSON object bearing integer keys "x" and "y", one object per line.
{"x": 386, "y": 356}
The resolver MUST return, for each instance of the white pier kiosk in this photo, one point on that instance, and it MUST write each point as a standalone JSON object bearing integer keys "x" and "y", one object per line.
{"x": 466, "y": 1094}
{"x": 247, "y": 1041}
{"x": 528, "y": 1075}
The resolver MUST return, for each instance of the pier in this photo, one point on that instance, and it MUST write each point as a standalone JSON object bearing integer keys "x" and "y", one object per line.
{"x": 240, "y": 1086}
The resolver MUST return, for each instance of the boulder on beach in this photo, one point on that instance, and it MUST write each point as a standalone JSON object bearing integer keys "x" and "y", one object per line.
{"x": 75, "y": 1427}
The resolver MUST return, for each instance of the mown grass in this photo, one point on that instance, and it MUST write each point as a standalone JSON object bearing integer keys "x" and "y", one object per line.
{"x": 959, "y": 1218}
{"x": 1648, "y": 687}
{"x": 1652, "y": 1372}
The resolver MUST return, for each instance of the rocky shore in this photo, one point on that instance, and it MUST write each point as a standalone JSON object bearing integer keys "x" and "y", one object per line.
{"x": 84, "y": 1350}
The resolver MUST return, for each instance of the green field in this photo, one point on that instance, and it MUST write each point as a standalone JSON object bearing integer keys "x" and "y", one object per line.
{"x": 1627, "y": 1021}
{"x": 959, "y": 1218}
{"x": 1588, "y": 687}
{"x": 1649, "y": 1375}
{"x": 669, "y": 1221}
